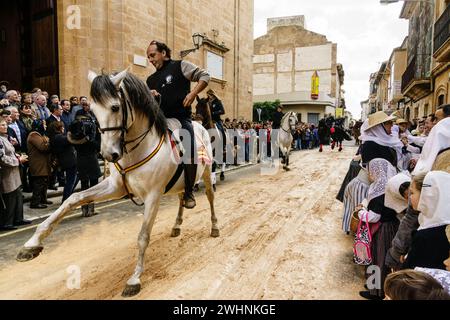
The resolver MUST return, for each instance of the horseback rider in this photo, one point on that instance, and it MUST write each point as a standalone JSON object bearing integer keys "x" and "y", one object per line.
{"x": 171, "y": 83}
{"x": 216, "y": 107}
{"x": 276, "y": 124}
{"x": 277, "y": 117}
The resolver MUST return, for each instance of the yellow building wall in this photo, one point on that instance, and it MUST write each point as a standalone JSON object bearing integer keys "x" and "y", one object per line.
{"x": 113, "y": 32}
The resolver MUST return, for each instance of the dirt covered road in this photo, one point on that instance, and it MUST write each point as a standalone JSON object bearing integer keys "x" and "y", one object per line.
{"x": 280, "y": 238}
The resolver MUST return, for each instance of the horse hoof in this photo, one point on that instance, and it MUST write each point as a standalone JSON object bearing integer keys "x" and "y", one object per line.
{"x": 215, "y": 233}
{"x": 175, "y": 233}
{"x": 340, "y": 149}
{"x": 131, "y": 290}
{"x": 27, "y": 254}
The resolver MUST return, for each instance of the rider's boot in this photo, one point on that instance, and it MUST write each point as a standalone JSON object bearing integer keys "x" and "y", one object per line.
{"x": 190, "y": 172}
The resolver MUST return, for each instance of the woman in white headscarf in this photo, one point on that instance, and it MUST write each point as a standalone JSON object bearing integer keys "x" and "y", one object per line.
{"x": 380, "y": 171}
{"x": 437, "y": 144}
{"x": 430, "y": 246}
{"x": 397, "y": 193}
{"x": 396, "y": 196}
{"x": 379, "y": 142}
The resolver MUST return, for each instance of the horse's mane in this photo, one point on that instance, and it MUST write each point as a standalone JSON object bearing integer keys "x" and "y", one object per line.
{"x": 139, "y": 94}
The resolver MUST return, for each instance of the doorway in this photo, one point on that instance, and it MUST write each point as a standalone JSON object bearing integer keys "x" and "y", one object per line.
{"x": 28, "y": 42}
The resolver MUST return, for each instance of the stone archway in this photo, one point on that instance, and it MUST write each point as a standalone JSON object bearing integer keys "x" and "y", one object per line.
{"x": 440, "y": 97}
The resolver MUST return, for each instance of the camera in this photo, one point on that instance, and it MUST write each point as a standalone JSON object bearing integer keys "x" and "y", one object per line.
{"x": 83, "y": 128}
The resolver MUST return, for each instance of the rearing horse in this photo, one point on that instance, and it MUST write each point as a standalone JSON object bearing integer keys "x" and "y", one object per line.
{"x": 136, "y": 143}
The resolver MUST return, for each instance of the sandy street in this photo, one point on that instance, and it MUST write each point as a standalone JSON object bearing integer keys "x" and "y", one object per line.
{"x": 280, "y": 238}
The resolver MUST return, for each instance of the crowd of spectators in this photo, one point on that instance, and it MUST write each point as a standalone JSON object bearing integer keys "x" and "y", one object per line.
{"x": 396, "y": 198}
{"x": 44, "y": 144}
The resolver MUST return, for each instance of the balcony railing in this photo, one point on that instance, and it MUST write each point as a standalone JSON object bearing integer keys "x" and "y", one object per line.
{"x": 408, "y": 75}
{"x": 442, "y": 29}
{"x": 418, "y": 69}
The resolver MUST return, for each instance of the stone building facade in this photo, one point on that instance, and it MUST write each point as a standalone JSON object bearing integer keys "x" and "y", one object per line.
{"x": 441, "y": 53}
{"x": 284, "y": 62}
{"x": 421, "y": 65}
{"x": 111, "y": 35}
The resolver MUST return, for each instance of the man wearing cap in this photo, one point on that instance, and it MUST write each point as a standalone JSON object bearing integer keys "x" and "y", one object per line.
{"x": 172, "y": 84}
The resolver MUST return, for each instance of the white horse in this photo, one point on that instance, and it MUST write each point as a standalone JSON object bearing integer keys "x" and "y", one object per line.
{"x": 285, "y": 136}
{"x": 136, "y": 143}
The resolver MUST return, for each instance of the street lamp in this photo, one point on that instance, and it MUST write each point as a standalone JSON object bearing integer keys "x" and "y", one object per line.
{"x": 197, "y": 40}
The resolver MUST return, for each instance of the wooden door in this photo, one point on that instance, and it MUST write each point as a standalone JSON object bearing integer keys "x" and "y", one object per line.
{"x": 44, "y": 48}
{"x": 10, "y": 63}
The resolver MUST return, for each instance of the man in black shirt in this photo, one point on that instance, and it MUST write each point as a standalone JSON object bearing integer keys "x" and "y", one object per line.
{"x": 172, "y": 84}
{"x": 278, "y": 115}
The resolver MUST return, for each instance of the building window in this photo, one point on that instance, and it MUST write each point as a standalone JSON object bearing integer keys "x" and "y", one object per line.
{"x": 441, "y": 100}
{"x": 214, "y": 65}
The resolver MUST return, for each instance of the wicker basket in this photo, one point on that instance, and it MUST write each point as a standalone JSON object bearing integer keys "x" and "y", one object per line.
{"x": 354, "y": 222}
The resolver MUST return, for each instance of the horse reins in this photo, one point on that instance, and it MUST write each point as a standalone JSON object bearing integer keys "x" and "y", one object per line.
{"x": 123, "y": 143}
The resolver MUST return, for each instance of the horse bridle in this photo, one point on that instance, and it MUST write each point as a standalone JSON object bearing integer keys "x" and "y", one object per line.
{"x": 289, "y": 127}
{"x": 125, "y": 104}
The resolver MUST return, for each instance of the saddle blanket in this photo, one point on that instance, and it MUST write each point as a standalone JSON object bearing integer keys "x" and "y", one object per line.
{"x": 202, "y": 154}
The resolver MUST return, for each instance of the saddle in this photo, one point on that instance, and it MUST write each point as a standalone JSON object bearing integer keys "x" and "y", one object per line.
{"x": 173, "y": 126}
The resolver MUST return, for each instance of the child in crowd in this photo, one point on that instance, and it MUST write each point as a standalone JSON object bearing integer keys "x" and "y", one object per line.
{"x": 413, "y": 285}
{"x": 430, "y": 196}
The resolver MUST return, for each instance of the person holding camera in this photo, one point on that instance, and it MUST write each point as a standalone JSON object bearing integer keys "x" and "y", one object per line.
{"x": 84, "y": 135}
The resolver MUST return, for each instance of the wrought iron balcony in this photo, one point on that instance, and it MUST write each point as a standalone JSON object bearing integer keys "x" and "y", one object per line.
{"x": 416, "y": 82}
{"x": 441, "y": 50}
{"x": 408, "y": 75}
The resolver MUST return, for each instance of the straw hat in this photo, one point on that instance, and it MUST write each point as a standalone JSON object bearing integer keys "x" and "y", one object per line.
{"x": 396, "y": 114}
{"x": 400, "y": 121}
{"x": 378, "y": 118}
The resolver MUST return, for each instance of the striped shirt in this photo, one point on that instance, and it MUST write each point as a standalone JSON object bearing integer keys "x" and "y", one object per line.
{"x": 355, "y": 192}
